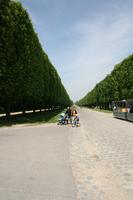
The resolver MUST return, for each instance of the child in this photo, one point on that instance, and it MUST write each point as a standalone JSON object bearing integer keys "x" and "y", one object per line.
{"x": 75, "y": 117}
{"x": 61, "y": 120}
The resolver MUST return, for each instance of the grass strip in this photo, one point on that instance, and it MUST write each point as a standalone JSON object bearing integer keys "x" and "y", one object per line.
{"x": 50, "y": 116}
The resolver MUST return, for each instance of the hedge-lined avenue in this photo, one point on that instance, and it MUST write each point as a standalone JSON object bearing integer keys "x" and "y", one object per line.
{"x": 116, "y": 86}
{"x": 28, "y": 80}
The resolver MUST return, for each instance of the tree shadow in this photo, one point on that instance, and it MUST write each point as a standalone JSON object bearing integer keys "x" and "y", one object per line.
{"x": 50, "y": 116}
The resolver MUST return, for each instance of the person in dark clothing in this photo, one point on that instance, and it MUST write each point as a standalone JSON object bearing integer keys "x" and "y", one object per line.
{"x": 131, "y": 109}
{"x": 68, "y": 114}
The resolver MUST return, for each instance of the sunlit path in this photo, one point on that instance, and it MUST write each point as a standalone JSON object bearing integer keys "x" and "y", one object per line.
{"x": 102, "y": 157}
{"x": 91, "y": 162}
{"x": 34, "y": 164}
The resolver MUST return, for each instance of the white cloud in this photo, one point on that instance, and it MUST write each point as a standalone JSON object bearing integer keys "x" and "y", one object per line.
{"x": 104, "y": 42}
{"x": 84, "y": 51}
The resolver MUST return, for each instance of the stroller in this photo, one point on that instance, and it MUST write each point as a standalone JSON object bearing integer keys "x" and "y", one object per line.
{"x": 63, "y": 119}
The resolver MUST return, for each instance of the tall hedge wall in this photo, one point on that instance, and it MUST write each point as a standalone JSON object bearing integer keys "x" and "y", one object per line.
{"x": 28, "y": 80}
{"x": 117, "y": 85}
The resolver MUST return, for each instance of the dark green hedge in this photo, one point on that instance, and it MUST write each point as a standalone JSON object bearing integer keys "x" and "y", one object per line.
{"x": 28, "y": 80}
{"x": 116, "y": 86}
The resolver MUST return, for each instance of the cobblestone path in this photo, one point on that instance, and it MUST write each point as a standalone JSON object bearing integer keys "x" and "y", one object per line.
{"x": 101, "y": 153}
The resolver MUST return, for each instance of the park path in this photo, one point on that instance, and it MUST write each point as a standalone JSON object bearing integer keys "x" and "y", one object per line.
{"x": 34, "y": 164}
{"x": 102, "y": 157}
{"x": 50, "y": 162}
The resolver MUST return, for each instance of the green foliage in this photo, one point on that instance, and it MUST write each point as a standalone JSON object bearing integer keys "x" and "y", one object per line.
{"x": 116, "y": 86}
{"x": 28, "y": 80}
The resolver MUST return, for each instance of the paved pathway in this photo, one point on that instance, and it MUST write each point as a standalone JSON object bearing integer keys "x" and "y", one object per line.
{"x": 102, "y": 157}
{"x": 50, "y": 162}
{"x": 34, "y": 164}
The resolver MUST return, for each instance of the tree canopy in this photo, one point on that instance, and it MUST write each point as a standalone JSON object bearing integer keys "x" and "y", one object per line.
{"x": 28, "y": 80}
{"x": 116, "y": 86}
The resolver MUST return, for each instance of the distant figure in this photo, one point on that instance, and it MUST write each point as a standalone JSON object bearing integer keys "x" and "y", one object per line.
{"x": 68, "y": 114}
{"x": 128, "y": 109}
{"x": 114, "y": 108}
{"x": 131, "y": 109}
{"x": 61, "y": 119}
{"x": 73, "y": 114}
{"x": 76, "y": 121}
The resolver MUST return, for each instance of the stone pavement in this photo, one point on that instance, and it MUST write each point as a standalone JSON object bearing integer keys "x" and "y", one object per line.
{"x": 102, "y": 157}
{"x": 50, "y": 162}
{"x": 34, "y": 164}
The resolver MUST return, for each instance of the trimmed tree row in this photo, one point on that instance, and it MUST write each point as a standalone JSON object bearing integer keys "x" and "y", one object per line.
{"x": 28, "y": 80}
{"x": 117, "y": 85}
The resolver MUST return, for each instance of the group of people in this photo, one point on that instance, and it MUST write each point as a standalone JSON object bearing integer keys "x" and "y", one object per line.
{"x": 69, "y": 117}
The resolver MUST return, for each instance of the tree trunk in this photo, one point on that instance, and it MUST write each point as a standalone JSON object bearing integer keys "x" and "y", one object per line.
{"x": 7, "y": 110}
{"x": 23, "y": 112}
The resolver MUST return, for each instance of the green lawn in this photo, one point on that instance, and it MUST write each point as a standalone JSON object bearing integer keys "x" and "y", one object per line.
{"x": 50, "y": 116}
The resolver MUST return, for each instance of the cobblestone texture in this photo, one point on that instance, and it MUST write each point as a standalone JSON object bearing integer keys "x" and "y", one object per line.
{"x": 101, "y": 153}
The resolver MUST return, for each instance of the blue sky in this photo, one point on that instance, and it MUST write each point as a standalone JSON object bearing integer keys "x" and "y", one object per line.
{"x": 84, "y": 39}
